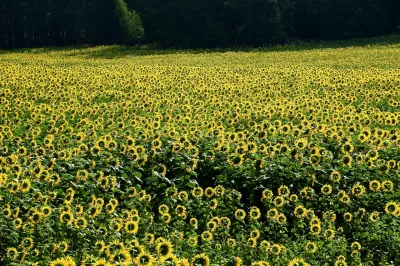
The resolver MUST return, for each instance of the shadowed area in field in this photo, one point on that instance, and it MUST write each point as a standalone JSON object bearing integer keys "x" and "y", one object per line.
{"x": 117, "y": 51}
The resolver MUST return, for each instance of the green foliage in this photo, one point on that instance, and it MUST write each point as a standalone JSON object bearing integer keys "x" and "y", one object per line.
{"x": 129, "y": 22}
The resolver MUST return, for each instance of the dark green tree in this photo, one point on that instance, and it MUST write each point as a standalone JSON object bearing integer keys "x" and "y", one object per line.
{"x": 129, "y": 22}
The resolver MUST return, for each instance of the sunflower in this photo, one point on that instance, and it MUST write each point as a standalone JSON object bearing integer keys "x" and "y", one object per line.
{"x": 281, "y": 218}
{"x": 298, "y": 261}
{"x": 387, "y": 186}
{"x": 18, "y": 223}
{"x": 201, "y": 260}
{"x": 373, "y": 155}
{"x": 345, "y": 199}
{"x": 163, "y": 209}
{"x": 391, "y": 208}
{"x": 206, "y": 236}
{"x": 103, "y": 182}
{"x": 59, "y": 262}
{"x": 275, "y": 249}
{"x": 335, "y": 176}
{"x": 96, "y": 150}
{"x": 160, "y": 168}
{"x": 300, "y": 211}
{"x": 183, "y": 196}
{"x": 36, "y": 217}
{"x": 225, "y": 222}
{"x": 293, "y": 198}
{"x": 279, "y": 201}
{"x": 100, "y": 246}
{"x": 374, "y": 216}
{"x": 265, "y": 245}
{"x": 329, "y": 234}
{"x": 149, "y": 238}
{"x": 236, "y": 261}
{"x": 267, "y": 194}
{"x": 360, "y": 158}
{"x": 326, "y": 189}
{"x": 235, "y": 159}
{"x": 240, "y": 214}
{"x": 301, "y": 143}
{"x": 27, "y": 243}
{"x": 272, "y": 213}
{"x": 255, "y": 234}
{"x": 315, "y": 229}
{"x": 212, "y": 225}
{"x": 136, "y": 250}
{"x": 115, "y": 225}
{"x": 213, "y": 204}
{"x": 12, "y": 253}
{"x": 347, "y": 216}
{"x": 306, "y": 192}
{"x": 63, "y": 246}
{"x": 144, "y": 259}
{"x": 131, "y": 227}
{"x": 355, "y": 246}
{"x": 197, "y": 192}
{"x": 231, "y": 242}
{"x": 315, "y": 221}
{"x": 166, "y": 218}
{"x": 254, "y": 213}
{"x": 375, "y": 185}
{"x": 193, "y": 222}
{"x": 101, "y": 262}
{"x": 358, "y": 190}
{"x": 25, "y": 186}
{"x": 164, "y": 249}
{"x": 234, "y": 195}
{"x": 347, "y": 160}
{"x": 82, "y": 175}
{"x": 94, "y": 211}
{"x": 283, "y": 191}
{"x": 209, "y": 192}
{"x": 192, "y": 241}
{"x": 347, "y": 148}
{"x": 252, "y": 242}
{"x": 311, "y": 247}
{"x": 142, "y": 195}
{"x": 80, "y": 223}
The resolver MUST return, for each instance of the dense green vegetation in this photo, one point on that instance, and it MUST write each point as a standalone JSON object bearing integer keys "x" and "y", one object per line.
{"x": 191, "y": 23}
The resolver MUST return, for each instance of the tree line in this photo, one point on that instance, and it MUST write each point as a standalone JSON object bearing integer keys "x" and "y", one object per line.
{"x": 191, "y": 23}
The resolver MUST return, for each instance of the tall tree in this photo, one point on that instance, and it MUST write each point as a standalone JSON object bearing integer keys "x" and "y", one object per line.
{"x": 129, "y": 22}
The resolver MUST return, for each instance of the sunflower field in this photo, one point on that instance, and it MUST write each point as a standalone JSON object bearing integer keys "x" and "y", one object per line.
{"x": 228, "y": 158}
